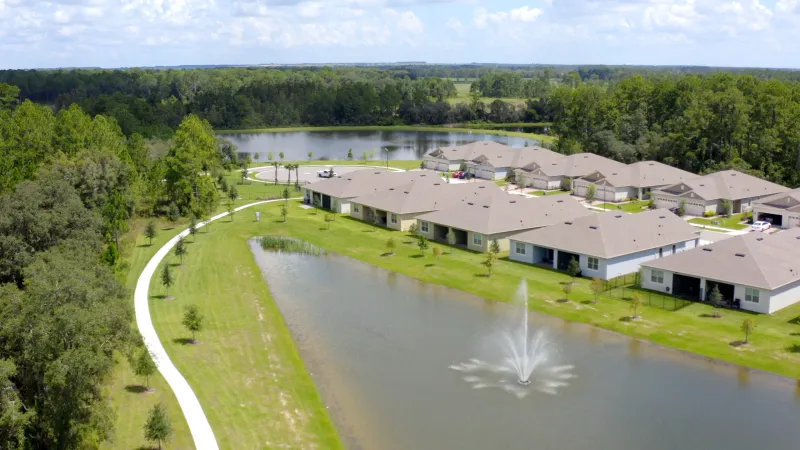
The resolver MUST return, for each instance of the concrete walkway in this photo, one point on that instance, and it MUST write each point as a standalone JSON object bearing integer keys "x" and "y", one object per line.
{"x": 198, "y": 423}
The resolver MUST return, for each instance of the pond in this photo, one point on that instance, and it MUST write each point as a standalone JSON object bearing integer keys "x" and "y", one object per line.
{"x": 333, "y": 145}
{"x": 380, "y": 345}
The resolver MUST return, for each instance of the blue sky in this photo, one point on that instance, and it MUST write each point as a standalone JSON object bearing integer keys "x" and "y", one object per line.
{"x": 121, "y": 33}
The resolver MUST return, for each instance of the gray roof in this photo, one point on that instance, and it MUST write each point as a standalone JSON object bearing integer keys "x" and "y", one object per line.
{"x": 611, "y": 234}
{"x": 787, "y": 201}
{"x": 427, "y": 195}
{"x": 469, "y": 151}
{"x": 363, "y": 182}
{"x": 644, "y": 174}
{"x": 515, "y": 157}
{"x": 727, "y": 185}
{"x": 506, "y": 213}
{"x": 754, "y": 259}
{"x": 573, "y": 166}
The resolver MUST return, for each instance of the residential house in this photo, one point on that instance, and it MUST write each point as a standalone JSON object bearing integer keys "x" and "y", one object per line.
{"x": 476, "y": 223}
{"x": 335, "y": 193}
{"x": 635, "y": 181}
{"x": 756, "y": 272}
{"x": 781, "y": 210}
{"x": 708, "y": 193}
{"x": 547, "y": 174}
{"x": 398, "y": 207}
{"x": 606, "y": 245}
{"x": 495, "y": 163}
{"x": 446, "y": 159}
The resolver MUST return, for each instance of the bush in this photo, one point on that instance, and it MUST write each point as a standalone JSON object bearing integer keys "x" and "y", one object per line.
{"x": 566, "y": 184}
{"x": 709, "y": 214}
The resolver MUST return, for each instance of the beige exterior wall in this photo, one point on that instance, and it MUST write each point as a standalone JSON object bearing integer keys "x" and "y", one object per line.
{"x": 357, "y": 211}
{"x": 502, "y": 240}
{"x": 403, "y": 222}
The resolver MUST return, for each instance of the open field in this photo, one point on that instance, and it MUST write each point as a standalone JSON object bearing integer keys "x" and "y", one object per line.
{"x": 463, "y": 96}
{"x": 441, "y": 129}
{"x": 732, "y": 222}
{"x": 631, "y": 207}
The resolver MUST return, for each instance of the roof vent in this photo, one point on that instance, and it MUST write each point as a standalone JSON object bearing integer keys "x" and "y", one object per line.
{"x": 740, "y": 255}
{"x": 662, "y": 217}
{"x": 486, "y": 206}
{"x": 512, "y": 201}
{"x": 761, "y": 239}
{"x": 481, "y": 187}
{"x": 437, "y": 184}
{"x": 706, "y": 249}
{"x": 562, "y": 201}
{"x": 470, "y": 203}
{"x": 733, "y": 174}
{"x": 618, "y": 217}
{"x": 568, "y": 223}
{"x": 593, "y": 227}
{"x": 377, "y": 173}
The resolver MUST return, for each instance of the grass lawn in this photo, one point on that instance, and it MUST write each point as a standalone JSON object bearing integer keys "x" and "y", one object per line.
{"x": 441, "y": 129}
{"x": 463, "y": 96}
{"x": 545, "y": 193}
{"x": 631, "y": 207}
{"x": 732, "y": 222}
{"x": 393, "y": 163}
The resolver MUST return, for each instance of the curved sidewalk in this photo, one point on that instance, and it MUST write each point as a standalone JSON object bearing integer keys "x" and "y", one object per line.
{"x": 198, "y": 423}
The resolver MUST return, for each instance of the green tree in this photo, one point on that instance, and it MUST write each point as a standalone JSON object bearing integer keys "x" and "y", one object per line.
{"x": 257, "y": 156}
{"x": 591, "y": 191}
{"x": 328, "y": 219}
{"x": 451, "y": 237}
{"x": 289, "y": 168}
{"x": 270, "y": 157}
{"x": 193, "y": 321}
{"x": 727, "y": 208}
{"x": 317, "y": 204}
{"x": 597, "y": 286}
{"x": 180, "y": 249}
{"x": 748, "y": 326}
{"x": 681, "y": 211}
{"x": 574, "y": 268}
{"x": 166, "y": 277}
{"x": 422, "y": 243}
{"x": 244, "y": 175}
{"x": 193, "y": 231}
{"x": 116, "y": 212}
{"x": 9, "y": 96}
{"x": 173, "y": 213}
{"x": 489, "y": 262}
{"x": 281, "y": 156}
{"x": 636, "y": 303}
{"x": 566, "y": 184}
{"x": 144, "y": 366}
{"x": 158, "y": 427}
{"x": 390, "y": 246}
{"x": 437, "y": 252}
{"x": 111, "y": 255}
{"x": 231, "y": 209}
{"x": 150, "y": 232}
{"x": 233, "y": 194}
{"x": 413, "y": 229}
{"x": 350, "y": 155}
{"x": 715, "y": 298}
{"x": 494, "y": 248}
{"x": 194, "y": 154}
{"x": 275, "y": 171}
{"x": 285, "y": 195}
{"x": 567, "y": 289}
{"x": 366, "y": 156}
{"x": 13, "y": 420}
{"x": 284, "y": 212}
{"x": 310, "y": 156}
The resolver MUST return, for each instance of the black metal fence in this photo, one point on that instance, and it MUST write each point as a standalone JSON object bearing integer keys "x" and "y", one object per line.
{"x": 626, "y": 286}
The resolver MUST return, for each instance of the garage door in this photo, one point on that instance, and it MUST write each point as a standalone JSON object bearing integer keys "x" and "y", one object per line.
{"x": 430, "y": 164}
{"x": 443, "y": 167}
{"x": 580, "y": 190}
{"x": 485, "y": 174}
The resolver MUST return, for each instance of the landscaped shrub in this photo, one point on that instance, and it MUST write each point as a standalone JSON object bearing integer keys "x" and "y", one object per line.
{"x": 566, "y": 184}
{"x": 709, "y": 214}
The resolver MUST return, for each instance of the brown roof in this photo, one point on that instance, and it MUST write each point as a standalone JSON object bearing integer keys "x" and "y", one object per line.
{"x": 507, "y": 212}
{"x": 577, "y": 165}
{"x": 644, "y": 174}
{"x": 611, "y": 234}
{"x": 754, "y": 259}
{"x": 727, "y": 185}
{"x": 427, "y": 195}
{"x": 788, "y": 201}
{"x": 363, "y": 182}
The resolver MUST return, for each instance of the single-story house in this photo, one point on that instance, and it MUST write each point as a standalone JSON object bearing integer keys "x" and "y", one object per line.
{"x": 547, "y": 174}
{"x": 781, "y": 210}
{"x": 496, "y": 163}
{"x": 398, "y": 207}
{"x": 476, "y": 224}
{"x": 636, "y": 181}
{"x": 707, "y": 193}
{"x": 606, "y": 245}
{"x": 335, "y": 193}
{"x": 446, "y": 159}
{"x": 755, "y": 271}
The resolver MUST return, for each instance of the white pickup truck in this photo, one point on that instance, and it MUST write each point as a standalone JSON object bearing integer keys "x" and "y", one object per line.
{"x": 327, "y": 173}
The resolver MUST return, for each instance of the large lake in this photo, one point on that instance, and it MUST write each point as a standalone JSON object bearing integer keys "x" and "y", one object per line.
{"x": 408, "y": 145}
{"x": 379, "y": 346}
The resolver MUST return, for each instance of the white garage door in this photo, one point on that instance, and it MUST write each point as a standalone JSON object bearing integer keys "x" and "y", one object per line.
{"x": 430, "y": 164}
{"x": 486, "y": 174}
{"x": 443, "y": 167}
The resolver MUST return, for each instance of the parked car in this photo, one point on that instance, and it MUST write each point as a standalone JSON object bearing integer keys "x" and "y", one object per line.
{"x": 462, "y": 175}
{"x": 760, "y": 226}
{"x": 327, "y": 173}
{"x": 457, "y": 174}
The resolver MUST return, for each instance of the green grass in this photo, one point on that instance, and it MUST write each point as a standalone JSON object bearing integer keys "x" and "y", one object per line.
{"x": 500, "y": 183}
{"x": 486, "y": 125}
{"x": 463, "y": 96}
{"x": 730, "y": 222}
{"x": 539, "y": 137}
{"x": 631, "y": 207}
{"x": 393, "y": 163}
{"x": 545, "y": 193}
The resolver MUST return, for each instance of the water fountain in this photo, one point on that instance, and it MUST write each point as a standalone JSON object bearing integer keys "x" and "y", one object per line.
{"x": 520, "y": 362}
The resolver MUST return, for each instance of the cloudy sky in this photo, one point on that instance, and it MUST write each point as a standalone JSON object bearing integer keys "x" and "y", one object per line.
{"x": 122, "y": 33}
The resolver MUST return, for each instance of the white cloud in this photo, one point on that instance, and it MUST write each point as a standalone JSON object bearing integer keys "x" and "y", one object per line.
{"x": 525, "y": 14}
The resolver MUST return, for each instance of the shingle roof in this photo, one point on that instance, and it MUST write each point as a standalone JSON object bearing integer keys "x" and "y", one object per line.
{"x": 507, "y": 213}
{"x": 754, "y": 259}
{"x": 427, "y": 195}
{"x": 644, "y": 174}
{"x": 515, "y": 157}
{"x": 611, "y": 234}
{"x": 577, "y": 165}
{"x": 728, "y": 185}
{"x": 469, "y": 151}
{"x": 788, "y": 201}
{"x": 363, "y": 182}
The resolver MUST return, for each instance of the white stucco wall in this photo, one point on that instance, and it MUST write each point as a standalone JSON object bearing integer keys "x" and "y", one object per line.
{"x": 785, "y": 296}
{"x": 694, "y": 206}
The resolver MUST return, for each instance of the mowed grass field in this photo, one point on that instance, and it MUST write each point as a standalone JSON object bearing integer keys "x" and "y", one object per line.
{"x": 463, "y": 96}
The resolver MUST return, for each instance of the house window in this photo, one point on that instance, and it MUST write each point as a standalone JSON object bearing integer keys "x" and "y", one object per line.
{"x": 423, "y": 226}
{"x": 593, "y": 263}
{"x": 519, "y": 247}
{"x": 477, "y": 238}
{"x": 355, "y": 208}
{"x": 394, "y": 218}
{"x": 657, "y": 276}
{"x": 751, "y": 295}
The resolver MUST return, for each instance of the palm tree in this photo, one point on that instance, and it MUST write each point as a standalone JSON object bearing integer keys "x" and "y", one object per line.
{"x": 297, "y": 176}
{"x": 289, "y": 168}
